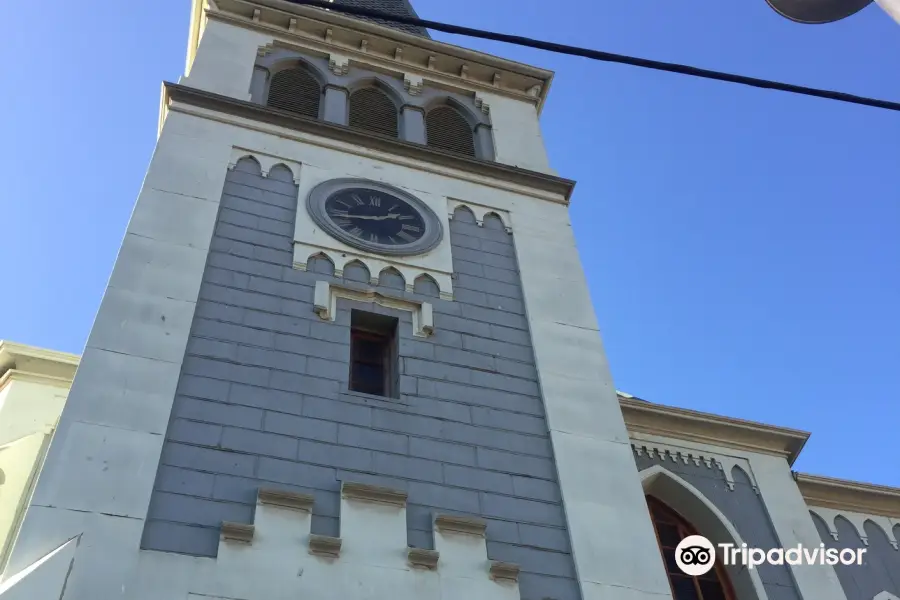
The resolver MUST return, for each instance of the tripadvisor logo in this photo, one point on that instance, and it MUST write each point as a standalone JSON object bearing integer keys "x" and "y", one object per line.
{"x": 695, "y": 555}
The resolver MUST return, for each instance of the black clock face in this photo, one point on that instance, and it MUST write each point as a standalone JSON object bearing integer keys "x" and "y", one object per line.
{"x": 374, "y": 216}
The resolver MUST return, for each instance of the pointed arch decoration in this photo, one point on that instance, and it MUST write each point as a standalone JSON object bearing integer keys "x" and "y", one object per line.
{"x": 266, "y": 162}
{"x": 695, "y": 508}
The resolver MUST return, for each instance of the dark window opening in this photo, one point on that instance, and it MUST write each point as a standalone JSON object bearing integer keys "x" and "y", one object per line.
{"x": 373, "y": 354}
{"x": 671, "y": 528}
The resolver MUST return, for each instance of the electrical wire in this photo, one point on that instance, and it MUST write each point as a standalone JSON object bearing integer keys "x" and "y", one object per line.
{"x": 603, "y": 56}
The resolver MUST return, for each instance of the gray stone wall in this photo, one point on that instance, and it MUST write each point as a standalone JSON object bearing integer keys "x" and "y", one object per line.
{"x": 743, "y": 507}
{"x": 880, "y": 571}
{"x": 263, "y": 400}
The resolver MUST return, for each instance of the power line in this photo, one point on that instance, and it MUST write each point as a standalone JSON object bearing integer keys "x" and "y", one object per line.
{"x": 603, "y": 56}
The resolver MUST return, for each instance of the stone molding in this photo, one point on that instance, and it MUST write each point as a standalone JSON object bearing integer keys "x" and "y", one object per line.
{"x": 33, "y": 360}
{"x": 285, "y": 499}
{"x": 460, "y": 524}
{"x": 333, "y": 32}
{"x": 327, "y": 294}
{"x": 706, "y": 428}
{"x": 424, "y": 559}
{"x": 236, "y": 532}
{"x": 851, "y": 496}
{"x": 504, "y": 571}
{"x": 324, "y": 545}
{"x": 373, "y": 493}
{"x": 558, "y": 190}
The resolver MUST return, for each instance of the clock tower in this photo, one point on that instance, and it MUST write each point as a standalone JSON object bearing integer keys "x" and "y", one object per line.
{"x": 347, "y": 348}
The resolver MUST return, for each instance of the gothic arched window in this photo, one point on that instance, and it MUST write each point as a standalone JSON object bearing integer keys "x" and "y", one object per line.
{"x": 671, "y": 528}
{"x": 372, "y": 110}
{"x": 447, "y": 129}
{"x": 296, "y": 90}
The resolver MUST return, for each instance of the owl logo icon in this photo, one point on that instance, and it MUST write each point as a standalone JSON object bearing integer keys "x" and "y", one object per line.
{"x": 695, "y": 555}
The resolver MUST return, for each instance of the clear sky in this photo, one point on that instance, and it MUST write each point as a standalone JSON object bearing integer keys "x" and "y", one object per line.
{"x": 741, "y": 245}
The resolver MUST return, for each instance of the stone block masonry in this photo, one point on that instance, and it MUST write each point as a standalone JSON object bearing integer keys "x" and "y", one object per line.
{"x": 262, "y": 400}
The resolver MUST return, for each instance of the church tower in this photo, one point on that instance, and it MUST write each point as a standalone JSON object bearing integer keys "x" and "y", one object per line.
{"x": 347, "y": 349}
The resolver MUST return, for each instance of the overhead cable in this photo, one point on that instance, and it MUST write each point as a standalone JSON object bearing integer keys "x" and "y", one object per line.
{"x": 602, "y": 56}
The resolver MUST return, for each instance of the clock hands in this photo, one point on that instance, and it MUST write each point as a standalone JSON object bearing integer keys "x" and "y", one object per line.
{"x": 371, "y": 218}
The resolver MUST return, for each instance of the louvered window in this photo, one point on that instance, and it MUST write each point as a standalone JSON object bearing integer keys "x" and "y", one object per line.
{"x": 449, "y": 130}
{"x": 372, "y": 110}
{"x": 296, "y": 90}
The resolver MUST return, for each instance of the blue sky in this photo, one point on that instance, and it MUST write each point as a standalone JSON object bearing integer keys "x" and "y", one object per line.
{"x": 741, "y": 245}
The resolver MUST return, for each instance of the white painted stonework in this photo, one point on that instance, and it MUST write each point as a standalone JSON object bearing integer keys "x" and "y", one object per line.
{"x": 276, "y": 558}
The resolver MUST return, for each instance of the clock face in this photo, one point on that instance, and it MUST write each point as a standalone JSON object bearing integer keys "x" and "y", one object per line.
{"x": 375, "y": 216}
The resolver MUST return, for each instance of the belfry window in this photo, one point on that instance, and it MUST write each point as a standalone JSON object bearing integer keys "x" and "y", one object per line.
{"x": 295, "y": 90}
{"x": 448, "y": 130}
{"x": 373, "y": 354}
{"x": 671, "y": 528}
{"x": 372, "y": 110}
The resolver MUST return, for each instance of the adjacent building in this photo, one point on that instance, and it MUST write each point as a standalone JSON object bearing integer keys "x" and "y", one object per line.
{"x": 348, "y": 351}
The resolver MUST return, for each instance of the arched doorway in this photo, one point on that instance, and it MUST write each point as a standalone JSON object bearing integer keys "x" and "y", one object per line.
{"x": 671, "y": 528}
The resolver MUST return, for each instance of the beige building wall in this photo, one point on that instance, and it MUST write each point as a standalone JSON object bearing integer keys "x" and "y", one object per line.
{"x": 34, "y": 384}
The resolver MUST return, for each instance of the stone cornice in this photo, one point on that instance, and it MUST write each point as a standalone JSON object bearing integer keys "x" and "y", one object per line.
{"x": 37, "y": 361}
{"x": 851, "y": 496}
{"x": 679, "y": 423}
{"x": 552, "y": 185}
{"x": 369, "y": 42}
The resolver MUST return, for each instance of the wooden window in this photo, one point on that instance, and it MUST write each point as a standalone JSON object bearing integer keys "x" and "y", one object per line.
{"x": 448, "y": 130}
{"x": 671, "y": 528}
{"x": 372, "y": 110}
{"x": 373, "y": 354}
{"x": 295, "y": 90}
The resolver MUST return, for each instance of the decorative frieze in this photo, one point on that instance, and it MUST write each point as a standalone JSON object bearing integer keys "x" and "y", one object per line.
{"x": 858, "y": 520}
{"x": 722, "y": 462}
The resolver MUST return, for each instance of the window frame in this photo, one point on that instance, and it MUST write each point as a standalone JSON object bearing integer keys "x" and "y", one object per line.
{"x": 685, "y": 528}
{"x": 387, "y": 338}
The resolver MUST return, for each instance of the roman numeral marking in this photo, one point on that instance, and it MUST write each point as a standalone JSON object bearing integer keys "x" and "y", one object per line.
{"x": 344, "y": 204}
{"x": 343, "y": 222}
{"x": 357, "y": 199}
{"x": 338, "y": 213}
{"x": 373, "y": 237}
{"x": 405, "y": 236}
{"x": 374, "y": 201}
{"x": 356, "y": 231}
{"x": 412, "y": 228}
{"x": 393, "y": 241}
